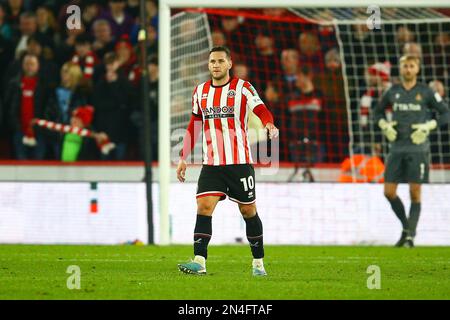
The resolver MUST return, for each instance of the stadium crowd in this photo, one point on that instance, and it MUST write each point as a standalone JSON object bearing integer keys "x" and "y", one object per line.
{"x": 51, "y": 72}
{"x": 86, "y": 76}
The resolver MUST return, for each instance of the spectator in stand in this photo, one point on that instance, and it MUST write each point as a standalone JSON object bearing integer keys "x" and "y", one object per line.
{"x": 120, "y": 21}
{"x": 437, "y": 62}
{"x": 84, "y": 55}
{"x": 355, "y": 56}
{"x": 236, "y": 33}
{"x": 152, "y": 40}
{"x": 27, "y": 27}
{"x": 152, "y": 12}
{"x": 412, "y": 48}
{"x": 66, "y": 45}
{"x": 112, "y": 100}
{"x": 331, "y": 84}
{"x": 14, "y": 9}
{"x": 64, "y": 99}
{"x": 276, "y": 93}
{"x": 304, "y": 105}
{"x": 90, "y": 12}
{"x": 331, "y": 81}
{"x": 132, "y": 8}
{"x": 266, "y": 60}
{"x": 26, "y": 98}
{"x": 403, "y": 36}
{"x": 5, "y": 28}
{"x": 310, "y": 53}
{"x": 75, "y": 147}
{"x": 47, "y": 68}
{"x": 152, "y": 21}
{"x": 289, "y": 65}
{"x": 218, "y": 38}
{"x": 46, "y": 24}
{"x": 69, "y": 94}
{"x": 103, "y": 38}
{"x": 128, "y": 63}
{"x": 241, "y": 71}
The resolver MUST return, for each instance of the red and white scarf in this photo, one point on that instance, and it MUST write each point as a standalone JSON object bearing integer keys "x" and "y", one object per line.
{"x": 105, "y": 147}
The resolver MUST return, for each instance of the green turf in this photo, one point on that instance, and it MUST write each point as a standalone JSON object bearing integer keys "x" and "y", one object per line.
{"x": 295, "y": 272}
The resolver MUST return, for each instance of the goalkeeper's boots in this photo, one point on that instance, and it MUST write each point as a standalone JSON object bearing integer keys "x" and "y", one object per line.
{"x": 192, "y": 268}
{"x": 401, "y": 242}
{"x": 409, "y": 243}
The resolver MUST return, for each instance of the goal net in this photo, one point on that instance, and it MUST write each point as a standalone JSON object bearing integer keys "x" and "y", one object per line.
{"x": 320, "y": 71}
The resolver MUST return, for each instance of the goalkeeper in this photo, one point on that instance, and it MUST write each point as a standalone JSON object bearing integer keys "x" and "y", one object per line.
{"x": 408, "y": 160}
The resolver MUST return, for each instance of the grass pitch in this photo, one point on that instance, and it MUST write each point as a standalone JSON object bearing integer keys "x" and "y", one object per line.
{"x": 295, "y": 272}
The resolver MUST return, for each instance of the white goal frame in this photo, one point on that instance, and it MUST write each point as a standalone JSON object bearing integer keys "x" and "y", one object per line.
{"x": 164, "y": 51}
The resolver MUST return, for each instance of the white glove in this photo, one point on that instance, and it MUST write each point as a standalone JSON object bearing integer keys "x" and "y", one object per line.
{"x": 422, "y": 130}
{"x": 388, "y": 129}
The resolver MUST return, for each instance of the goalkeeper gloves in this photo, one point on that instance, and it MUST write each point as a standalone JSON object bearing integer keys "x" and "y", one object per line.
{"x": 388, "y": 129}
{"x": 422, "y": 130}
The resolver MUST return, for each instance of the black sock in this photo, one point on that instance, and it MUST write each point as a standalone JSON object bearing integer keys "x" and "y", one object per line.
{"x": 414, "y": 214}
{"x": 254, "y": 231}
{"x": 202, "y": 235}
{"x": 399, "y": 210}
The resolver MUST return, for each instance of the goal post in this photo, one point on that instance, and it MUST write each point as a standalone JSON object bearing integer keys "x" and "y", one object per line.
{"x": 166, "y": 169}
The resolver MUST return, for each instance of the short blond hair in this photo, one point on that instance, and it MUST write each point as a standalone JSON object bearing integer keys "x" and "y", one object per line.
{"x": 410, "y": 57}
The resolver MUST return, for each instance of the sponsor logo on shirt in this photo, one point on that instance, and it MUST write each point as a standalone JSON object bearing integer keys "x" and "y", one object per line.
{"x": 231, "y": 93}
{"x": 406, "y": 107}
{"x": 253, "y": 90}
{"x": 218, "y": 112}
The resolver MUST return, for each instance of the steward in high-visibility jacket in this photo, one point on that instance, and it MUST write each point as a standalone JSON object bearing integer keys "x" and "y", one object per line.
{"x": 362, "y": 168}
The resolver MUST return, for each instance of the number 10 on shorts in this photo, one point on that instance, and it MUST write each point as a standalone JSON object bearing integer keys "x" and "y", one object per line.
{"x": 248, "y": 183}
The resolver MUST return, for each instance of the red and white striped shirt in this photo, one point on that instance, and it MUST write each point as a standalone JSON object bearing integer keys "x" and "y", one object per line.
{"x": 224, "y": 111}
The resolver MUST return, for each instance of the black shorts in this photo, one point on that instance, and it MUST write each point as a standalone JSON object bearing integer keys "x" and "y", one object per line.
{"x": 404, "y": 167}
{"x": 237, "y": 181}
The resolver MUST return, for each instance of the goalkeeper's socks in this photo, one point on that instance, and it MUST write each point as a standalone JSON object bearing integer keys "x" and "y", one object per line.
{"x": 202, "y": 235}
{"x": 399, "y": 209}
{"x": 414, "y": 214}
{"x": 254, "y": 231}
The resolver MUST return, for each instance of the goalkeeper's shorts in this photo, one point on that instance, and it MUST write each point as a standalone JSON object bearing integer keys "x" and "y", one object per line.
{"x": 407, "y": 167}
{"x": 237, "y": 181}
